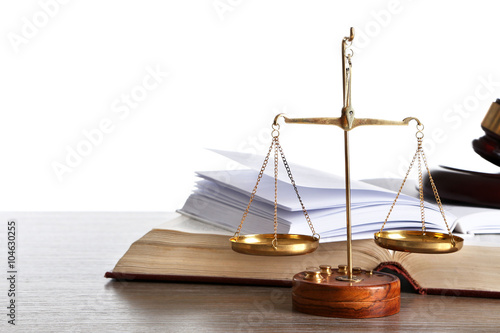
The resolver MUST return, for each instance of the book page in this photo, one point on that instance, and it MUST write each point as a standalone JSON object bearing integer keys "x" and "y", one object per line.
{"x": 471, "y": 268}
{"x": 190, "y": 225}
{"x": 308, "y": 177}
{"x": 486, "y": 221}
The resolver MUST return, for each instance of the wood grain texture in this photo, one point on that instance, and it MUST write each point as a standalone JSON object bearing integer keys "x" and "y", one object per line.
{"x": 376, "y": 295}
{"x": 63, "y": 257}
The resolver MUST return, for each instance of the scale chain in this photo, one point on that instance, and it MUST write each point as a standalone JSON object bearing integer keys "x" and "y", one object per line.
{"x": 438, "y": 199}
{"x": 278, "y": 150}
{"x": 276, "y": 144}
{"x": 254, "y": 191}
{"x": 421, "y": 184}
{"x": 289, "y": 172}
{"x": 399, "y": 191}
{"x": 420, "y": 155}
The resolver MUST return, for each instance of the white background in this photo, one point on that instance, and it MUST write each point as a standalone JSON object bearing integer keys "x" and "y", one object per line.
{"x": 232, "y": 66}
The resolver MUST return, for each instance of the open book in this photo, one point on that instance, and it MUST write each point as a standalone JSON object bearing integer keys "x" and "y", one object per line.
{"x": 220, "y": 198}
{"x": 184, "y": 249}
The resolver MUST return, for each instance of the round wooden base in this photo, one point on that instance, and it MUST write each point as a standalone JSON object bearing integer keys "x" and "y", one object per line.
{"x": 376, "y": 295}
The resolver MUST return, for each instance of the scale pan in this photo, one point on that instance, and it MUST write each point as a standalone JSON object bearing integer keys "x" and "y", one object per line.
{"x": 261, "y": 244}
{"x": 418, "y": 241}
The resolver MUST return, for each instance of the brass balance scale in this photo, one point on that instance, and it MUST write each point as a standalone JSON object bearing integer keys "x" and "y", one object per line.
{"x": 346, "y": 291}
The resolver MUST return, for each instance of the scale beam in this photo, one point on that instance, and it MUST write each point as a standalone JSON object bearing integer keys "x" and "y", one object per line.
{"x": 345, "y": 123}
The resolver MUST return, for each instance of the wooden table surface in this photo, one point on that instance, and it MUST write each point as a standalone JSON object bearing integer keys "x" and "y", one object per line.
{"x": 62, "y": 257}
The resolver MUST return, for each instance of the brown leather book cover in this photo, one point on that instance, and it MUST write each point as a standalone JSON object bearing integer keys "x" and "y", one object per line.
{"x": 400, "y": 271}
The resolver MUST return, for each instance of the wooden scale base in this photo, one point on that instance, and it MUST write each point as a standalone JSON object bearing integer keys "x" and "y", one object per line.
{"x": 320, "y": 293}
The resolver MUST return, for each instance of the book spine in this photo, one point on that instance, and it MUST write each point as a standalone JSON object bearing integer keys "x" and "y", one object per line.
{"x": 198, "y": 279}
{"x": 391, "y": 266}
{"x": 397, "y": 268}
{"x": 462, "y": 293}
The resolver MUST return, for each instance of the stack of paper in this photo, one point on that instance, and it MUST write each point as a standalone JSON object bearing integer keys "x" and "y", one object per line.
{"x": 220, "y": 198}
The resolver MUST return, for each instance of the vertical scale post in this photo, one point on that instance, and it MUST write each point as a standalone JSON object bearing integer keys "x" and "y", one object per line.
{"x": 347, "y": 120}
{"x": 348, "y": 206}
{"x": 346, "y": 87}
{"x": 339, "y": 293}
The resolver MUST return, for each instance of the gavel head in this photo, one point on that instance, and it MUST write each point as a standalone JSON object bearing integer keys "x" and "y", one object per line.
{"x": 488, "y": 146}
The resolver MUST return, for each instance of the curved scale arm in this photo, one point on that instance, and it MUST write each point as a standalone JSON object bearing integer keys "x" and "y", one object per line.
{"x": 315, "y": 121}
{"x": 344, "y": 124}
{"x": 368, "y": 121}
